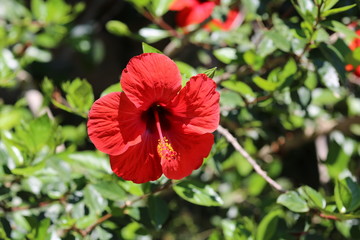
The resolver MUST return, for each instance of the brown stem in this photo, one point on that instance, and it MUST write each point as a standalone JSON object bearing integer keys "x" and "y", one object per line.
{"x": 161, "y": 23}
{"x": 231, "y": 139}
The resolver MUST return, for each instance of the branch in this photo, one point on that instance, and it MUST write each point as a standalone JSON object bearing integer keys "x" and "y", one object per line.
{"x": 161, "y": 23}
{"x": 231, "y": 139}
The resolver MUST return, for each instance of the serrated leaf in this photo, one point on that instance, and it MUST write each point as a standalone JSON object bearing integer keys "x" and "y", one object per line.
{"x": 37, "y": 133}
{"x": 198, "y": 193}
{"x": 79, "y": 95}
{"x": 293, "y": 201}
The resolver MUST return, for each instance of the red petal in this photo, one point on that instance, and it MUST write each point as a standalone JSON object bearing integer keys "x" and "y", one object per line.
{"x": 104, "y": 128}
{"x": 178, "y": 5}
{"x": 150, "y": 78}
{"x": 195, "y": 15}
{"x": 349, "y": 67}
{"x": 357, "y": 71}
{"x": 140, "y": 163}
{"x": 131, "y": 122}
{"x": 196, "y": 107}
{"x": 191, "y": 150}
{"x": 234, "y": 19}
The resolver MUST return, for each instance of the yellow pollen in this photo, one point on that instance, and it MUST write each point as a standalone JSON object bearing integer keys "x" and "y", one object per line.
{"x": 165, "y": 150}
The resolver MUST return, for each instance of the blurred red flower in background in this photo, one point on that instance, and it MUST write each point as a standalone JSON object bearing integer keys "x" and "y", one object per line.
{"x": 354, "y": 46}
{"x": 154, "y": 126}
{"x": 195, "y": 12}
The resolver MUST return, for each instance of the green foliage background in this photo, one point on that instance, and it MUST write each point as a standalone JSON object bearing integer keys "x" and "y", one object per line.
{"x": 285, "y": 97}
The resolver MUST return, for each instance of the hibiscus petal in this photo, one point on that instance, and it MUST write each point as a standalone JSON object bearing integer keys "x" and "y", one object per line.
{"x": 140, "y": 163}
{"x": 178, "y": 5}
{"x": 196, "y": 107}
{"x": 194, "y": 15}
{"x": 191, "y": 150}
{"x": 131, "y": 121}
{"x": 104, "y": 128}
{"x": 150, "y": 78}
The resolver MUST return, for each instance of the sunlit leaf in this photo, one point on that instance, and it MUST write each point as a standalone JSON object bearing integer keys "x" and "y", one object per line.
{"x": 198, "y": 193}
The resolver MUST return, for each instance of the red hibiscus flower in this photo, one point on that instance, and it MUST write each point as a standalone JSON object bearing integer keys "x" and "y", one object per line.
{"x": 233, "y": 20}
{"x": 195, "y": 12}
{"x": 154, "y": 126}
{"x": 354, "y": 46}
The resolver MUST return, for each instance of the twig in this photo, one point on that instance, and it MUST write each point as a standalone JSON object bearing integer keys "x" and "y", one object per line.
{"x": 161, "y": 23}
{"x": 231, "y": 139}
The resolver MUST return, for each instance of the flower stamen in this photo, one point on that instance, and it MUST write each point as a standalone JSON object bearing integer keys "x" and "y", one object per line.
{"x": 164, "y": 148}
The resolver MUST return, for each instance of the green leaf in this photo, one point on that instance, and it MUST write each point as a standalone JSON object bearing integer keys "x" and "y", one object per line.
{"x": 293, "y": 201}
{"x": 314, "y": 198}
{"x": 38, "y": 133}
{"x": 329, "y": 4}
{"x": 239, "y": 87}
{"x": 265, "y": 47}
{"x": 10, "y": 117}
{"x": 198, "y": 193}
{"x": 337, "y": 26}
{"x": 347, "y": 195}
{"x": 79, "y": 94}
{"x": 255, "y": 60}
{"x": 160, "y": 7}
{"x": 342, "y": 196}
{"x": 152, "y": 35}
{"x": 268, "y": 226}
{"x": 225, "y": 55}
{"x": 337, "y": 10}
{"x": 337, "y": 159}
{"x": 149, "y": 49}
{"x": 256, "y": 184}
{"x": 140, "y": 3}
{"x": 264, "y": 84}
{"x": 42, "y": 232}
{"x": 39, "y": 10}
{"x": 279, "y": 40}
{"x": 286, "y": 75}
{"x": 329, "y": 76}
{"x": 94, "y": 200}
{"x": 112, "y": 88}
{"x": 158, "y": 211}
{"x": 118, "y": 28}
{"x": 88, "y": 159}
{"x": 110, "y": 190}
{"x": 210, "y": 72}
{"x": 30, "y": 170}
{"x": 13, "y": 153}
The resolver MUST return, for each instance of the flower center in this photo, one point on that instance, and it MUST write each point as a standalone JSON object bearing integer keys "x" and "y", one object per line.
{"x": 164, "y": 148}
